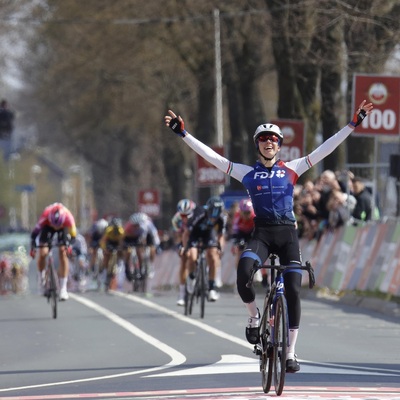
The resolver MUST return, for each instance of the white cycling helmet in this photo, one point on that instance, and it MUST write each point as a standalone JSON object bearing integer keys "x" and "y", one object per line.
{"x": 267, "y": 128}
{"x": 185, "y": 206}
{"x": 101, "y": 225}
{"x": 138, "y": 218}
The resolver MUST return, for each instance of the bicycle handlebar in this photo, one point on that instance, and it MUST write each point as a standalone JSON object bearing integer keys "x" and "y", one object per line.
{"x": 281, "y": 268}
{"x": 51, "y": 245}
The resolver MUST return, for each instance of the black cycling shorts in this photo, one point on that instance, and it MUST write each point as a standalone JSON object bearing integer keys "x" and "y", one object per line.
{"x": 47, "y": 233}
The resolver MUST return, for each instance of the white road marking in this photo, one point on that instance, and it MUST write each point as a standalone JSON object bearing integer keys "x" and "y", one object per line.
{"x": 188, "y": 320}
{"x": 177, "y": 358}
{"x": 236, "y": 364}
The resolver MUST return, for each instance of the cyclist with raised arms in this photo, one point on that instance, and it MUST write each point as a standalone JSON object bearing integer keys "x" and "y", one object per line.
{"x": 184, "y": 210}
{"x": 56, "y": 219}
{"x": 270, "y": 184}
{"x": 207, "y": 224}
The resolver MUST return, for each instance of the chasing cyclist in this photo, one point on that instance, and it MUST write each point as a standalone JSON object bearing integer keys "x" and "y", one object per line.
{"x": 184, "y": 210}
{"x": 208, "y": 225}
{"x": 270, "y": 184}
{"x": 56, "y": 219}
{"x": 111, "y": 242}
{"x": 140, "y": 232}
{"x": 96, "y": 233}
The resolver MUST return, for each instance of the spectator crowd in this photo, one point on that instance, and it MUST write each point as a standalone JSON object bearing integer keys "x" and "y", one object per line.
{"x": 332, "y": 200}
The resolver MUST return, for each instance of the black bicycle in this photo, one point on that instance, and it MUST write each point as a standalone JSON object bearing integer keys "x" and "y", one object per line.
{"x": 51, "y": 284}
{"x": 111, "y": 267}
{"x": 200, "y": 292}
{"x": 274, "y": 326}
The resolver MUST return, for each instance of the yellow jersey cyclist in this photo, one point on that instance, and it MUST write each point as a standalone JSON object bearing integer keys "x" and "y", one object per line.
{"x": 112, "y": 241}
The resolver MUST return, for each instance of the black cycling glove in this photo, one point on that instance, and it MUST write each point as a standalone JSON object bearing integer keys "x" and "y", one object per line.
{"x": 358, "y": 118}
{"x": 178, "y": 127}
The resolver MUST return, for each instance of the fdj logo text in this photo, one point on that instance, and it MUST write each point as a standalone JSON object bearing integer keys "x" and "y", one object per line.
{"x": 280, "y": 173}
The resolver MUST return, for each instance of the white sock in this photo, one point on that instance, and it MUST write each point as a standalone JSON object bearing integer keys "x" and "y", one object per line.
{"x": 63, "y": 283}
{"x": 292, "y": 343}
{"x": 182, "y": 290}
{"x": 252, "y": 309}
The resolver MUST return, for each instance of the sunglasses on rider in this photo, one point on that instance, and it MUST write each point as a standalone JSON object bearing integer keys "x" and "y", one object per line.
{"x": 271, "y": 138}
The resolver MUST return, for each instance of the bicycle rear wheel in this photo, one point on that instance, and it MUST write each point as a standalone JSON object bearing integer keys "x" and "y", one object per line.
{"x": 190, "y": 300}
{"x": 53, "y": 292}
{"x": 280, "y": 344}
{"x": 111, "y": 271}
{"x": 143, "y": 276}
{"x": 202, "y": 286}
{"x": 266, "y": 356}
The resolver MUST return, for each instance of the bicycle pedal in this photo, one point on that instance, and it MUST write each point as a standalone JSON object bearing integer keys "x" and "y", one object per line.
{"x": 257, "y": 349}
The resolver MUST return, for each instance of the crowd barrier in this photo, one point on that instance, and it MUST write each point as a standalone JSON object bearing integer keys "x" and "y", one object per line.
{"x": 348, "y": 258}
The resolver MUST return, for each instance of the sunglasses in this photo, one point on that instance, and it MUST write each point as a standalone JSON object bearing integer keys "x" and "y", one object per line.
{"x": 271, "y": 138}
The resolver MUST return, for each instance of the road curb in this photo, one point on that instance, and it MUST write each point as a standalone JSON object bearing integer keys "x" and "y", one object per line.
{"x": 384, "y": 307}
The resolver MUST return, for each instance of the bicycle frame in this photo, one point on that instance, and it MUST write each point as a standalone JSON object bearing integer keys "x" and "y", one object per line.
{"x": 140, "y": 269}
{"x": 111, "y": 267}
{"x": 201, "y": 286}
{"x": 274, "y": 325}
{"x": 51, "y": 279}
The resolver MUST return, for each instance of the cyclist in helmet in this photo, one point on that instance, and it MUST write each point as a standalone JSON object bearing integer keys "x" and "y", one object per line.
{"x": 242, "y": 231}
{"x": 184, "y": 211}
{"x": 140, "y": 232}
{"x": 111, "y": 241}
{"x": 242, "y": 225}
{"x": 96, "y": 233}
{"x": 270, "y": 184}
{"x": 56, "y": 220}
{"x": 207, "y": 225}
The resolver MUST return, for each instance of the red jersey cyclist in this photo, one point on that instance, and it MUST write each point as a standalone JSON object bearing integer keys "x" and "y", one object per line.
{"x": 242, "y": 230}
{"x": 179, "y": 221}
{"x": 57, "y": 220}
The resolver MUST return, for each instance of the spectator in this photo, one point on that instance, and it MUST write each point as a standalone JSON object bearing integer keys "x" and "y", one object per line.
{"x": 325, "y": 184}
{"x": 363, "y": 208}
{"x": 339, "y": 213}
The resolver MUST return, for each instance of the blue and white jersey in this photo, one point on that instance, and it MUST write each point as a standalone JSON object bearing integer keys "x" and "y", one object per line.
{"x": 270, "y": 189}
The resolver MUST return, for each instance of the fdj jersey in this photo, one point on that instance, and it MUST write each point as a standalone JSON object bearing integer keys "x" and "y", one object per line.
{"x": 271, "y": 190}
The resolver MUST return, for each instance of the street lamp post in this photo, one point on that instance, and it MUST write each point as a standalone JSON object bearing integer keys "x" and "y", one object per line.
{"x": 80, "y": 195}
{"x": 35, "y": 171}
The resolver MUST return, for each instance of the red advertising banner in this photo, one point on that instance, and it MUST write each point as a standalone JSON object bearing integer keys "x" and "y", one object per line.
{"x": 384, "y": 93}
{"x": 293, "y": 138}
{"x": 207, "y": 174}
{"x": 149, "y": 202}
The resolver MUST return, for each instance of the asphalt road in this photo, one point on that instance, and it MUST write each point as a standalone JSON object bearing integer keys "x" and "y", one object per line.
{"x": 121, "y": 346}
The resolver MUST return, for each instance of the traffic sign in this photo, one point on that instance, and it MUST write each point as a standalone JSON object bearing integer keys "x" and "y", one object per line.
{"x": 384, "y": 93}
{"x": 293, "y": 138}
{"x": 149, "y": 202}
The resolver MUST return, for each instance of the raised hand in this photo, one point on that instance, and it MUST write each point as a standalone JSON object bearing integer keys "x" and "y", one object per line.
{"x": 175, "y": 123}
{"x": 362, "y": 111}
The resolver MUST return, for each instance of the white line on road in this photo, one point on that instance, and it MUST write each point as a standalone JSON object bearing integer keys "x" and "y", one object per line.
{"x": 177, "y": 358}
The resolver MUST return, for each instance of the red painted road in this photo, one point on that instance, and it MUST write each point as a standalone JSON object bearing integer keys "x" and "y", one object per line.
{"x": 240, "y": 393}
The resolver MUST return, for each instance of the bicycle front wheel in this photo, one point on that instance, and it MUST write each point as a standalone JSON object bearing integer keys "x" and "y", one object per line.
{"x": 280, "y": 344}
{"x": 53, "y": 292}
{"x": 266, "y": 356}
